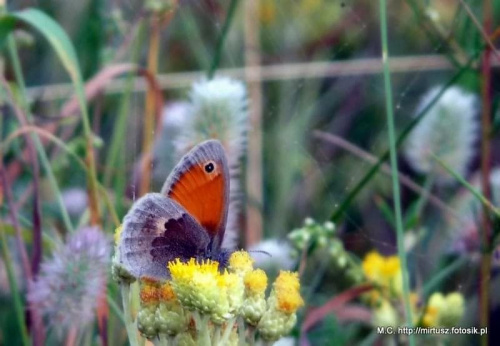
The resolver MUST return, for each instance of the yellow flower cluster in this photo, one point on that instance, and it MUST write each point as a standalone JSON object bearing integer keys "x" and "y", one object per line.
{"x": 282, "y": 303}
{"x": 287, "y": 292}
{"x": 384, "y": 272}
{"x": 201, "y": 301}
{"x": 444, "y": 311}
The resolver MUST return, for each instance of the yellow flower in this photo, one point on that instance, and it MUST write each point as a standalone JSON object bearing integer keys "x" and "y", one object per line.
{"x": 201, "y": 287}
{"x": 235, "y": 291}
{"x": 282, "y": 303}
{"x": 184, "y": 272}
{"x": 196, "y": 284}
{"x": 443, "y": 311}
{"x": 385, "y": 315}
{"x": 166, "y": 292}
{"x": 150, "y": 291}
{"x": 372, "y": 264}
{"x": 240, "y": 262}
{"x": 384, "y": 272}
{"x": 255, "y": 282}
{"x": 118, "y": 232}
{"x": 287, "y": 288}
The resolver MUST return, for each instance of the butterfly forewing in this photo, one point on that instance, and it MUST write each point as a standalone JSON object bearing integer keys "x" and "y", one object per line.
{"x": 200, "y": 184}
{"x": 158, "y": 230}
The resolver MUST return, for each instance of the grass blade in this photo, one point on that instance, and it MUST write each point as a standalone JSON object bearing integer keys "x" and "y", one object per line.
{"x": 64, "y": 49}
{"x": 339, "y": 212}
{"x": 394, "y": 166}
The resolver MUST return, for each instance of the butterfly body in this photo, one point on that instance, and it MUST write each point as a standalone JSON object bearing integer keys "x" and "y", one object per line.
{"x": 187, "y": 219}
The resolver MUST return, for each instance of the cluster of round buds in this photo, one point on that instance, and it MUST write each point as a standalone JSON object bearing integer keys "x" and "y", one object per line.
{"x": 200, "y": 304}
{"x": 444, "y": 310}
{"x": 312, "y": 234}
{"x": 160, "y": 312}
{"x": 320, "y": 238}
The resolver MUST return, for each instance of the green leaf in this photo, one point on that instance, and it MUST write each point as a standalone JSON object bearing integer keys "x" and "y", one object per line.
{"x": 56, "y": 36}
{"x": 475, "y": 192}
{"x": 7, "y": 24}
{"x": 65, "y": 50}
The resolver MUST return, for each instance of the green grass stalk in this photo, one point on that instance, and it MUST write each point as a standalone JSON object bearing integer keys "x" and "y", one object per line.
{"x": 116, "y": 155}
{"x": 394, "y": 166}
{"x": 18, "y": 75}
{"x": 222, "y": 38}
{"x": 127, "y": 314}
{"x": 7, "y": 258}
{"x": 18, "y": 304}
{"x": 338, "y": 212}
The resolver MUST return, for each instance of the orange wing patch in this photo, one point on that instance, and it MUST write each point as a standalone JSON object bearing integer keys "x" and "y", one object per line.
{"x": 202, "y": 195}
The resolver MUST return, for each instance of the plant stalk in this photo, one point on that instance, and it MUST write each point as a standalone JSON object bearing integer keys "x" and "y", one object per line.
{"x": 394, "y": 166}
{"x": 484, "y": 283}
{"x": 127, "y": 314}
{"x": 222, "y": 38}
{"x": 149, "y": 112}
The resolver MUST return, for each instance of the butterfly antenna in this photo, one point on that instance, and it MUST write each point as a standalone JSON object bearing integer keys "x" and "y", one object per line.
{"x": 260, "y": 251}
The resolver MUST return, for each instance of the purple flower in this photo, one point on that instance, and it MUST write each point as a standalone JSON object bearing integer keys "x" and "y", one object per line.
{"x": 69, "y": 283}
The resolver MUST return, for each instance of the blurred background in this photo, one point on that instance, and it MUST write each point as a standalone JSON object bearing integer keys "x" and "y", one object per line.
{"x": 295, "y": 91}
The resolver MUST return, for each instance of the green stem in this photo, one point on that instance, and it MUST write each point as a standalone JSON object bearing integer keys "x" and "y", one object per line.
{"x": 394, "y": 166}
{"x": 251, "y": 337}
{"x": 120, "y": 125}
{"x": 39, "y": 147}
{"x": 442, "y": 275}
{"x": 203, "y": 336}
{"x": 127, "y": 314}
{"x": 227, "y": 331}
{"x": 163, "y": 340}
{"x": 486, "y": 203}
{"x": 217, "y": 334}
{"x": 116, "y": 309}
{"x": 222, "y": 38}
{"x": 241, "y": 331}
{"x": 18, "y": 305}
{"x": 338, "y": 213}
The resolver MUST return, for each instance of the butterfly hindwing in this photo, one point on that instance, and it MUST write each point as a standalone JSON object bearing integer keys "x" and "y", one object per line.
{"x": 200, "y": 184}
{"x": 158, "y": 230}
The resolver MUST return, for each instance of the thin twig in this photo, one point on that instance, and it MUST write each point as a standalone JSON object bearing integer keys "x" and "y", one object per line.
{"x": 254, "y": 223}
{"x": 267, "y": 73}
{"x": 149, "y": 118}
{"x": 404, "y": 179}
{"x": 486, "y": 126}
{"x": 482, "y": 30}
{"x": 31, "y": 271}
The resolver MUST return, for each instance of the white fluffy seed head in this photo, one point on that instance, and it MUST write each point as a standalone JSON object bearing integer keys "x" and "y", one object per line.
{"x": 448, "y": 130}
{"x": 217, "y": 108}
{"x": 69, "y": 283}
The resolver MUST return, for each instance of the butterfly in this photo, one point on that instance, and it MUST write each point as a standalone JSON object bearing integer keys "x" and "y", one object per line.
{"x": 187, "y": 219}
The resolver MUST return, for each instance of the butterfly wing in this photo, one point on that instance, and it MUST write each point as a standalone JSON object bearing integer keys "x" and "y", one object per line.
{"x": 158, "y": 230}
{"x": 200, "y": 184}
